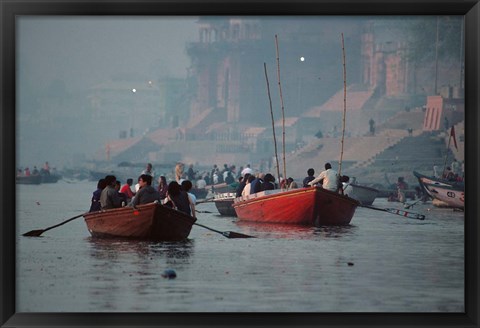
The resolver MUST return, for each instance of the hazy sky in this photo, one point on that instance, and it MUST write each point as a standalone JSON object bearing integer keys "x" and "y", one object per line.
{"x": 86, "y": 50}
{"x": 82, "y": 52}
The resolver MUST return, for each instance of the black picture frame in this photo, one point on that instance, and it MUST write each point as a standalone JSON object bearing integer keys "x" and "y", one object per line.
{"x": 9, "y": 9}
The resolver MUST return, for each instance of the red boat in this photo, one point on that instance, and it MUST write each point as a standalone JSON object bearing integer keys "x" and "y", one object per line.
{"x": 149, "y": 221}
{"x": 307, "y": 206}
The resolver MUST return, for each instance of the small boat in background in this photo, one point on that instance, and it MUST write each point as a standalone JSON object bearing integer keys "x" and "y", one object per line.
{"x": 28, "y": 179}
{"x": 50, "y": 178}
{"x": 200, "y": 193}
{"x": 452, "y": 196}
{"x": 365, "y": 195}
{"x": 220, "y": 188}
{"x": 224, "y": 203}
{"x": 313, "y": 206}
{"x": 146, "y": 222}
{"x": 423, "y": 179}
{"x": 447, "y": 193}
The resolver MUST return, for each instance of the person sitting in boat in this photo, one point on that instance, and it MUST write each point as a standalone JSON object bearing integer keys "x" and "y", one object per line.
{"x": 109, "y": 196}
{"x": 248, "y": 185}
{"x": 449, "y": 175}
{"x": 123, "y": 197}
{"x": 178, "y": 199}
{"x": 256, "y": 184}
{"x": 46, "y": 168}
{"x": 310, "y": 176}
{"x": 229, "y": 179}
{"x": 149, "y": 170}
{"x": 187, "y": 186}
{"x": 35, "y": 171}
{"x": 95, "y": 203}
{"x": 127, "y": 190}
{"x": 241, "y": 185}
{"x": 291, "y": 184}
{"x": 268, "y": 182}
{"x": 162, "y": 187}
{"x": 27, "y": 172}
{"x": 328, "y": 178}
{"x": 147, "y": 193}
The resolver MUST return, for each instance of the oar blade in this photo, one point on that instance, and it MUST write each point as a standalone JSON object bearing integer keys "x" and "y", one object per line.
{"x": 232, "y": 234}
{"x": 406, "y": 214}
{"x": 34, "y": 233}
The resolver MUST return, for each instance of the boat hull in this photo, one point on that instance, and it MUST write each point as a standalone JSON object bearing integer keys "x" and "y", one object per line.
{"x": 424, "y": 179}
{"x": 364, "y": 195}
{"x": 52, "y": 178}
{"x": 31, "y": 179}
{"x": 150, "y": 222}
{"x": 306, "y": 206}
{"x": 453, "y": 197}
{"x": 224, "y": 204}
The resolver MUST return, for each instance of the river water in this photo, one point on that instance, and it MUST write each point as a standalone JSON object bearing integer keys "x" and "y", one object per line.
{"x": 381, "y": 262}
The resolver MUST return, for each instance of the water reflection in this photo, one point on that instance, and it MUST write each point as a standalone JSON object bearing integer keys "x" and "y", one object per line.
{"x": 102, "y": 248}
{"x": 294, "y": 231}
{"x": 335, "y": 231}
{"x": 130, "y": 268}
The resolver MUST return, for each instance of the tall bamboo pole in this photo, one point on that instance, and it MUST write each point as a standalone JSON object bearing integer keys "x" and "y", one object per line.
{"x": 273, "y": 122}
{"x": 283, "y": 107}
{"x": 436, "y": 56}
{"x": 344, "y": 106}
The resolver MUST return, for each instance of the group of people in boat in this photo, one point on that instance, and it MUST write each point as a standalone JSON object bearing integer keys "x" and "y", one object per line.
{"x": 45, "y": 170}
{"x": 111, "y": 194}
{"x": 251, "y": 183}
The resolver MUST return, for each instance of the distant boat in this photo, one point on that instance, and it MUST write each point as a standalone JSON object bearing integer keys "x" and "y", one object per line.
{"x": 30, "y": 179}
{"x": 50, "y": 178}
{"x": 220, "y": 188}
{"x": 424, "y": 179}
{"x": 453, "y": 196}
{"x": 312, "y": 206}
{"x": 224, "y": 203}
{"x": 365, "y": 195}
{"x": 146, "y": 222}
{"x": 200, "y": 193}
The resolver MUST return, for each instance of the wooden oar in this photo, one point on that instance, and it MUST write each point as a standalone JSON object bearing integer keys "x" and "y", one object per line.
{"x": 406, "y": 214}
{"x": 228, "y": 234}
{"x": 208, "y": 212}
{"x": 407, "y": 206}
{"x": 207, "y": 200}
{"x": 37, "y": 233}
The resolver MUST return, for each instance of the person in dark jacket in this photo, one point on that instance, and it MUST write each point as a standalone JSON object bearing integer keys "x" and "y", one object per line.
{"x": 256, "y": 185}
{"x": 178, "y": 199}
{"x": 95, "y": 205}
{"x": 268, "y": 182}
{"x": 310, "y": 177}
{"x": 147, "y": 193}
{"x": 109, "y": 196}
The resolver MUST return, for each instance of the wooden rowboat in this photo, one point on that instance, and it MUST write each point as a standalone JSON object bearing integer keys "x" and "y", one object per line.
{"x": 365, "y": 195}
{"x": 452, "y": 196}
{"x": 30, "y": 179}
{"x": 307, "y": 206}
{"x": 149, "y": 222}
{"x": 224, "y": 203}
{"x": 424, "y": 179}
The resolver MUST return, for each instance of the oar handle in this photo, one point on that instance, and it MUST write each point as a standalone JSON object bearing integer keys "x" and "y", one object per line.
{"x": 398, "y": 212}
{"x": 66, "y": 221}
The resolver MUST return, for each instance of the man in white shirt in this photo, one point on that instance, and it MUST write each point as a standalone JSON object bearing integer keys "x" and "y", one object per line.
{"x": 247, "y": 169}
{"x": 329, "y": 177}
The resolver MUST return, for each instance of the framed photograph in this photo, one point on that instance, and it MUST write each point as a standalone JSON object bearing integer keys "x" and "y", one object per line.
{"x": 383, "y": 94}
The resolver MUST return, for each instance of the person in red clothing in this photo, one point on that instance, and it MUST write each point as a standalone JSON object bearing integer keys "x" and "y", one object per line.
{"x": 127, "y": 190}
